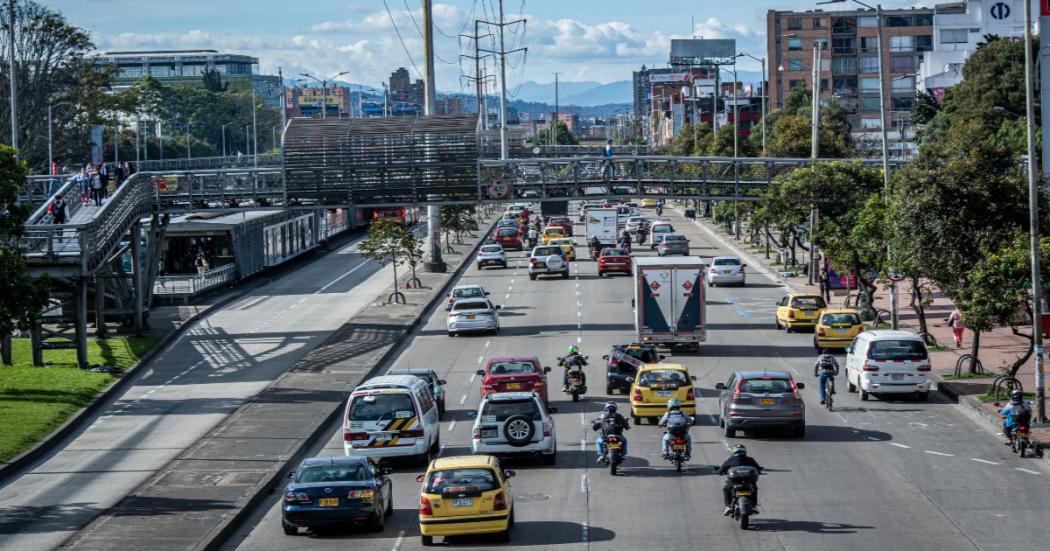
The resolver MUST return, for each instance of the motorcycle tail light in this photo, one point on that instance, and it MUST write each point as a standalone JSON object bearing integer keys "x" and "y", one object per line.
{"x": 678, "y": 440}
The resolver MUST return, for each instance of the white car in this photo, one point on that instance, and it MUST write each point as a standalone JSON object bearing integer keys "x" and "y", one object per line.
{"x": 548, "y": 259}
{"x": 633, "y": 223}
{"x": 514, "y": 423}
{"x": 473, "y": 314}
{"x": 392, "y": 416}
{"x": 465, "y": 291}
{"x": 491, "y": 255}
{"x": 726, "y": 270}
{"x": 888, "y": 362}
{"x": 658, "y": 230}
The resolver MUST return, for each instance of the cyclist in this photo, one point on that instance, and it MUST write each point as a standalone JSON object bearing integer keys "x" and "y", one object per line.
{"x": 826, "y": 367}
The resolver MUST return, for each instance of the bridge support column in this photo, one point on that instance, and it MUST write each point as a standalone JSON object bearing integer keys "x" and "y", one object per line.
{"x": 136, "y": 275}
{"x": 100, "y": 306}
{"x": 81, "y": 328}
{"x": 35, "y": 338}
{"x": 434, "y": 264}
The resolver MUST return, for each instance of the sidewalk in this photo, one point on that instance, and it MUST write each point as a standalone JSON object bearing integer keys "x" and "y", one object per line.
{"x": 999, "y": 348}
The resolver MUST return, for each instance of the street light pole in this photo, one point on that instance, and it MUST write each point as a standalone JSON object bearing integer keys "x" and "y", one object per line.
{"x": 50, "y": 146}
{"x": 1033, "y": 219}
{"x": 765, "y": 81}
{"x": 224, "y": 138}
{"x": 324, "y": 90}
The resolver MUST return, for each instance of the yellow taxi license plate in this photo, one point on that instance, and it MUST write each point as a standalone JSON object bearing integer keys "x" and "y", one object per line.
{"x": 766, "y": 401}
{"x": 678, "y": 447}
{"x": 613, "y": 445}
{"x": 328, "y": 502}
{"x": 743, "y": 493}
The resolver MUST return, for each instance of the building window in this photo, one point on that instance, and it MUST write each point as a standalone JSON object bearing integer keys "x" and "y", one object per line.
{"x": 845, "y": 86}
{"x": 898, "y": 21}
{"x": 903, "y": 103}
{"x": 902, "y": 44}
{"x": 823, "y": 85}
{"x": 954, "y": 36}
{"x": 844, "y": 25}
{"x": 867, "y": 22}
{"x": 869, "y": 44}
{"x": 848, "y": 105}
{"x": 870, "y": 124}
{"x": 869, "y": 84}
{"x": 869, "y": 104}
{"x": 902, "y": 64}
{"x": 924, "y": 20}
{"x": 843, "y": 46}
{"x": 843, "y": 66}
{"x": 794, "y": 83}
{"x": 904, "y": 84}
{"x": 794, "y": 44}
{"x": 131, "y": 72}
{"x": 924, "y": 43}
{"x": 794, "y": 23}
{"x": 869, "y": 64}
{"x": 794, "y": 65}
{"x": 818, "y": 22}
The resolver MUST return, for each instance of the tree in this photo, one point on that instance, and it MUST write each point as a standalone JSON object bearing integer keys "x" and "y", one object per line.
{"x": 21, "y": 297}
{"x": 458, "y": 219}
{"x": 721, "y": 143}
{"x": 212, "y": 81}
{"x": 388, "y": 242}
{"x": 562, "y": 135}
{"x": 790, "y": 133}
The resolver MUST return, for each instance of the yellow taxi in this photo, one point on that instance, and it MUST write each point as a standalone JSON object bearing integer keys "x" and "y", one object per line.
{"x": 798, "y": 310}
{"x": 837, "y": 328}
{"x": 515, "y": 216}
{"x": 466, "y": 494}
{"x": 654, "y": 384}
{"x": 566, "y": 245}
{"x": 552, "y": 232}
{"x": 647, "y": 203}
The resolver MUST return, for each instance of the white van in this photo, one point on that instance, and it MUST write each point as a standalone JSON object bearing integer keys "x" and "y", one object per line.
{"x": 392, "y": 416}
{"x": 888, "y": 362}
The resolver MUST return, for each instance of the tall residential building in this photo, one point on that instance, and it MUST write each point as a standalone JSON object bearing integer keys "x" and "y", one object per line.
{"x": 406, "y": 96}
{"x": 238, "y": 72}
{"x": 958, "y": 27}
{"x": 849, "y": 70}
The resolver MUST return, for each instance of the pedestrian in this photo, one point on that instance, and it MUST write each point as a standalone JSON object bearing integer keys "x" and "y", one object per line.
{"x": 103, "y": 176}
{"x": 96, "y": 185}
{"x": 129, "y": 169}
{"x": 955, "y": 320}
{"x": 825, "y": 285}
{"x": 58, "y": 210}
{"x": 201, "y": 264}
{"x": 118, "y": 175}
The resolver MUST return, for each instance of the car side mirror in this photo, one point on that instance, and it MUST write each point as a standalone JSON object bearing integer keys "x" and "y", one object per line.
{"x": 800, "y": 385}
{"x": 291, "y": 474}
{"x": 421, "y": 478}
{"x": 605, "y": 357}
{"x": 552, "y": 410}
{"x": 662, "y": 357}
{"x": 507, "y": 473}
{"x": 692, "y": 377}
{"x": 720, "y": 386}
{"x": 442, "y": 382}
{"x": 546, "y": 369}
{"x": 480, "y": 372}
{"x": 498, "y": 306}
{"x": 387, "y": 471}
{"x": 487, "y": 293}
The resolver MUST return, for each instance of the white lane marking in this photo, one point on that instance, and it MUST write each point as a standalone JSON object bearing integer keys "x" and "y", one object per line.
{"x": 1024, "y": 470}
{"x": 452, "y": 426}
{"x": 400, "y": 539}
{"x": 481, "y": 359}
{"x": 585, "y": 533}
{"x": 985, "y": 461}
{"x": 472, "y": 376}
{"x": 931, "y": 452}
{"x": 512, "y": 280}
{"x": 506, "y": 296}
{"x": 579, "y": 314}
{"x": 340, "y": 278}
{"x": 583, "y": 444}
{"x": 487, "y": 343}
{"x": 463, "y": 400}
{"x": 510, "y": 288}
{"x": 900, "y": 445}
{"x": 583, "y": 419}
{"x": 872, "y": 438}
{"x": 579, "y": 339}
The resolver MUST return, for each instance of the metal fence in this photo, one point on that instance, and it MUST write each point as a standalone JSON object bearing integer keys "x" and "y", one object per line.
{"x": 192, "y": 284}
{"x": 229, "y": 161}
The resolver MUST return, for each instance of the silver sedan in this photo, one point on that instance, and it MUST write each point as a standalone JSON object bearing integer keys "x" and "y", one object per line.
{"x": 726, "y": 270}
{"x": 473, "y": 315}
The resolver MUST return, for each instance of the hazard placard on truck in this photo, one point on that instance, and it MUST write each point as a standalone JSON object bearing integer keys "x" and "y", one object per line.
{"x": 669, "y": 303}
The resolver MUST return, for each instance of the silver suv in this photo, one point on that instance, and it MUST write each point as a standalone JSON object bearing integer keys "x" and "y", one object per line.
{"x": 761, "y": 399}
{"x": 514, "y": 423}
{"x": 548, "y": 259}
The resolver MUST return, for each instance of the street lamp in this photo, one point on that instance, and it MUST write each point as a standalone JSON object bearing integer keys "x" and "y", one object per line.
{"x": 882, "y": 89}
{"x": 324, "y": 90}
{"x": 224, "y": 137}
{"x": 50, "y": 143}
{"x": 765, "y": 81}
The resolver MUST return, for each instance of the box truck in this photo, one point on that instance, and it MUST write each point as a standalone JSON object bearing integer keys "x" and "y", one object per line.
{"x": 602, "y": 223}
{"x": 669, "y": 307}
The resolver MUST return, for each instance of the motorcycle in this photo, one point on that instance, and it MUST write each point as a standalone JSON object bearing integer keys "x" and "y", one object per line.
{"x": 676, "y": 448}
{"x": 744, "y": 482}
{"x": 1021, "y": 440}
{"x": 595, "y": 252}
{"x": 575, "y": 379}
{"x": 613, "y": 452}
{"x": 659, "y": 210}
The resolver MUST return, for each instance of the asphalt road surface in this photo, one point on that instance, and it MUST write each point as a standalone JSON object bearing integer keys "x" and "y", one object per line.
{"x": 227, "y": 357}
{"x": 883, "y": 474}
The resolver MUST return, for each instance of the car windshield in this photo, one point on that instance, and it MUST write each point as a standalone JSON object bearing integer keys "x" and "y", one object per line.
{"x": 468, "y": 292}
{"x": 475, "y": 478}
{"x": 840, "y": 319}
{"x": 726, "y": 262}
{"x": 897, "y": 350}
{"x": 512, "y": 368}
{"x": 662, "y": 228}
{"x": 469, "y": 305}
{"x": 553, "y": 231}
{"x": 374, "y": 407}
{"x": 613, "y": 252}
{"x": 499, "y": 411}
{"x": 507, "y": 232}
{"x": 506, "y": 223}
{"x": 808, "y": 302}
{"x": 332, "y": 473}
{"x": 763, "y": 386}
{"x": 546, "y": 251}
{"x": 674, "y": 238}
{"x": 492, "y": 249}
{"x": 662, "y": 377}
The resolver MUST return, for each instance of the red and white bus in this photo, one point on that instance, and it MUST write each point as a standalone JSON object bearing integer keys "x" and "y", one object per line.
{"x": 403, "y": 216}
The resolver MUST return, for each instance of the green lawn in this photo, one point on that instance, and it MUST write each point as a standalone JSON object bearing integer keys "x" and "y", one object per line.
{"x": 34, "y": 401}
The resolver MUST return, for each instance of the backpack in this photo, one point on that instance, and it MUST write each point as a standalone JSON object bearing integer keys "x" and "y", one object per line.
{"x": 677, "y": 423}
{"x": 1022, "y": 417}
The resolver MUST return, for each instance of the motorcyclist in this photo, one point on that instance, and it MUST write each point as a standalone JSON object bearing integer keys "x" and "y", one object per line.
{"x": 533, "y": 236}
{"x": 610, "y": 423}
{"x": 572, "y": 361}
{"x": 595, "y": 245}
{"x": 642, "y": 232}
{"x": 625, "y": 241}
{"x": 1017, "y": 412}
{"x": 737, "y": 458}
{"x": 659, "y": 209}
{"x": 826, "y": 367}
{"x": 675, "y": 417}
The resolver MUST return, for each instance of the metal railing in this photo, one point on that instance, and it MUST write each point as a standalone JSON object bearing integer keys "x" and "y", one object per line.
{"x": 229, "y": 161}
{"x": 192, "y": 284}
{"x": 39, "y": 188}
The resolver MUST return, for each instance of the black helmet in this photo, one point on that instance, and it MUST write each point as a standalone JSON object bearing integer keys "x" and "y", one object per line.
{"x": 738, "y": 450}
{"x": 1016, "y": 396}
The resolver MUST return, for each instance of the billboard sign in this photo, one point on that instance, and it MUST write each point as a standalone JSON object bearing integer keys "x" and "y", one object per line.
{"x": 684, "y": 49}
{"x": 315, "y": 101}
{"x": 668, "y": 77}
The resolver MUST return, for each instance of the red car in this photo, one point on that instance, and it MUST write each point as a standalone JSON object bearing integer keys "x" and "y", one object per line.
{"x": 509, "y": 238}
{"x": 562, "y": 221}
{"x": 614, "y": 260}
{"x": 514, "y": 374}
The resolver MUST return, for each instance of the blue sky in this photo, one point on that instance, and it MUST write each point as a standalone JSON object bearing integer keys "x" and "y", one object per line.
{"x": 583, "y": 39}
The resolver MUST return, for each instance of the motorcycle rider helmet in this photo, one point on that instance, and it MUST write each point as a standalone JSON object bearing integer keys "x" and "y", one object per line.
{"x": 573, "y": 349}
{"x": 738, "y": 451}
{"x": 673, "y": 404}
{"x": 1016, "y": 396}
{"x": 610, "y": 407}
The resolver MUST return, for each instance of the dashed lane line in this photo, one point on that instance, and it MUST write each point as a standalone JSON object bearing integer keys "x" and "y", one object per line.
{"x": 985, "y": 461}
{"x": 452, "y": 426}
{"x": 900, "y": 445}
{"x": 481, "y": 359}
{"x": 583, "y": 483}
{"x": 400, "y": 540}
{"x": 1024, "y": 470}
{"x": 931, "y": 452}
{"x": 463, "y": 400}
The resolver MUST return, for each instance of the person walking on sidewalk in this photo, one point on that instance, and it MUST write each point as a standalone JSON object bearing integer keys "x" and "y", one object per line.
{"x": 96, "y": 185}
{"x": 84, "y": 181}
{"x": 825, "y": 287}
{"x": 58, "y": 211}
{"x": 955, "y": 320}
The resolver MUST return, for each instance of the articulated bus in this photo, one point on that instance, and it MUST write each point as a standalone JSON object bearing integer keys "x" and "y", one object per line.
{"x": 399, "y": 215}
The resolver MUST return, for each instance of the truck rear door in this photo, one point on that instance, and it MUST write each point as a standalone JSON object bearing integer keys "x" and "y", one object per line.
{"x": 657, "y": 300}
{"x": 687, "y": 291}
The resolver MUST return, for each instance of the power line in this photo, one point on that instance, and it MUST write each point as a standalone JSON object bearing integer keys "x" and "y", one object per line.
{"x": 413, "y": 18}
{"x": 401, "y": 40}
{"x": 466, "y": 23}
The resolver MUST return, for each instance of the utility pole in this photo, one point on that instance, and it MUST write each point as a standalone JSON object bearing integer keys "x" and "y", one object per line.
{"x": 557, "y": 112}
{"x": 501, "y": 55}
{"x": 814, "y": 154}
{"x": 1033, "y": 217}
{"x": 12, "y": 78}
{"x": 478, "y": 78}
{"x": 435, "y": 264}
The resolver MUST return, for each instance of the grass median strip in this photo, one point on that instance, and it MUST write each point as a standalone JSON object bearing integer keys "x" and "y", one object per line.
{"x": 34, "y": 401}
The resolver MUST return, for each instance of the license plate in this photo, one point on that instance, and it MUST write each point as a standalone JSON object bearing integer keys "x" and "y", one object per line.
{"x": 766, "y": 401}
{"x": 488, "y": 434}
{"x": 678, "y": 447}
{"x": 743, "y": 493}
{"x": 328, "y": 502}
{"x": 541, "y": 264}
{"x": 663, "y": 393}
{"x": 382, "y": 437}
{"x": 462, "y": 502}
{"x": 898, "y": 376}
{"x": 727, "y": 272}
{"x": 513, "y": 386}
{"x": 840, "y": 330}
{"x": 613, "y": 445}
{"x": 471, "y": 317}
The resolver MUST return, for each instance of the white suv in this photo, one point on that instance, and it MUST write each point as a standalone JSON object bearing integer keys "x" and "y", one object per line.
{"x": 548, "y": 259}
{"x": 514, "y": 423}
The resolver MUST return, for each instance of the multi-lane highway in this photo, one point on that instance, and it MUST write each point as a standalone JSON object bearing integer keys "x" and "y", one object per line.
{"x": 872, "y": 475}
{"x": 226, "y": 358}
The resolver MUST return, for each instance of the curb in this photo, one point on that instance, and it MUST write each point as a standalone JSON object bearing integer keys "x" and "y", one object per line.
{"x": 995, "y": 420}
{"x": 73, "y": 424}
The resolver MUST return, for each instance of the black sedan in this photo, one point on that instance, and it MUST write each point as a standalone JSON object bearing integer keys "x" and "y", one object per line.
{"x": 327, "y": 491}
{"x": 623, "y": 361}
